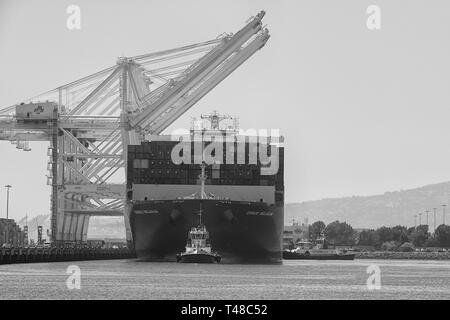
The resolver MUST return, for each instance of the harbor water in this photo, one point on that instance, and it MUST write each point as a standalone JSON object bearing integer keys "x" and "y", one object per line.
{"x": 131, "y": 279}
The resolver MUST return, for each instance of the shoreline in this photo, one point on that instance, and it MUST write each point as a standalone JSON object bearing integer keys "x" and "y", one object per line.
{"x": 391, "y": 255}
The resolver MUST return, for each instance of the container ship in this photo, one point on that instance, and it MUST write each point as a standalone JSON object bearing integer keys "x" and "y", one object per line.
{"x": 243, "y": 200}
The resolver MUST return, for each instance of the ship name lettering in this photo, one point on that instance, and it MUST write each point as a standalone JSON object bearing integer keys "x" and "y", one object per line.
{"x": 259, "y": 213}
{"x": 145, "y": 211}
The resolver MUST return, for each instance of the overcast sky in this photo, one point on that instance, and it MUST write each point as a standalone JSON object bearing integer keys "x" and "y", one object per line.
{"x": 363, "y": 111}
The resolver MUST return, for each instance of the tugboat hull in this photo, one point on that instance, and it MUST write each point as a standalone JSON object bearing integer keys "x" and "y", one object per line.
{"x": 198, "y": 258}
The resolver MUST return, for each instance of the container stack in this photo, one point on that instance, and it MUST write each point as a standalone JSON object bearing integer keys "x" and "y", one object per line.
{"x": 151, "y": 163}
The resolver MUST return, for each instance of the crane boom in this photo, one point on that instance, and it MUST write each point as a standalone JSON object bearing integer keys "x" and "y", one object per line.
{"x": 200, "y": 70}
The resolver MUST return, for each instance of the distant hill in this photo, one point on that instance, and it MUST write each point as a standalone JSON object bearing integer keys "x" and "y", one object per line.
{"x": 390, "y": 208}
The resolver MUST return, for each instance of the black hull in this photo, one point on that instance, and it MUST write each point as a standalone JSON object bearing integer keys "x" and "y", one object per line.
{"x": 240, "y": 232}
{"x": 299, "y": 256}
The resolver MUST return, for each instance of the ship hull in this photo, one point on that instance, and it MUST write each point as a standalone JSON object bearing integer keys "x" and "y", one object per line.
{"x": 240, "y": 231}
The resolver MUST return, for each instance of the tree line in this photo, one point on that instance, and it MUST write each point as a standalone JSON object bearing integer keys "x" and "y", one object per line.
{"x": 395, "y": 238}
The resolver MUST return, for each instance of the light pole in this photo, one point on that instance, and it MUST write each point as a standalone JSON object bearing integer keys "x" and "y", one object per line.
{"x": 443, "y": 213}
{"x": 7, "y": 212}
{"x": 434, "y": 210}
{"x": 7, "y": 200}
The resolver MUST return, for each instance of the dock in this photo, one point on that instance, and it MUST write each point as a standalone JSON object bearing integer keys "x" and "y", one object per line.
{"x": 59, "y": 254}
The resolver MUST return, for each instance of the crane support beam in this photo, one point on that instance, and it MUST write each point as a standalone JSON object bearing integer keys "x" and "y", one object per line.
{"x": 96, "y": 92}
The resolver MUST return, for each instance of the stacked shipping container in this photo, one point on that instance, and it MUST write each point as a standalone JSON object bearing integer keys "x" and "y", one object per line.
{"x": 151, "y": 163}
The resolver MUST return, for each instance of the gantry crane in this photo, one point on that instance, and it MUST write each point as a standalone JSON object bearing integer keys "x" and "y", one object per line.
{"x": 90, "y": 122}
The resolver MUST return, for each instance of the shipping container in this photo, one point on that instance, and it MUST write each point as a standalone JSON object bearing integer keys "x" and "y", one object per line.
{"x": 151, "y": 163}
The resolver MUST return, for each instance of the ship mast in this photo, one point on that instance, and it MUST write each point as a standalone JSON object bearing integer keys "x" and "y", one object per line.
{"x": 202, "y": 178}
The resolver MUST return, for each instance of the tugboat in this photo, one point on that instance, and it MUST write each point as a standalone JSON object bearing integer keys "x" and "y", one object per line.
{"x": 307, "y": 252}
{"x": 198, "y": 248}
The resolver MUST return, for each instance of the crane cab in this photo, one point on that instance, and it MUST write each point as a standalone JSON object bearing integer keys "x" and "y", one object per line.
{"x": 37, "y": 111}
